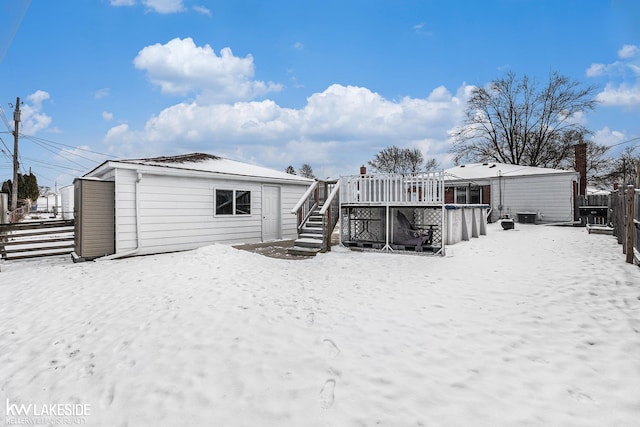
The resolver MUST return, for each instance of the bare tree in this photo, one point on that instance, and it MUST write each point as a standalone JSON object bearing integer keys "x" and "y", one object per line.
{"x": 306, "y": 171}
{"x": 515, "y": 121}
{"x": 598, "y": 164}
{"x": 622, "y": 169}
{"x": 401, "y": 160}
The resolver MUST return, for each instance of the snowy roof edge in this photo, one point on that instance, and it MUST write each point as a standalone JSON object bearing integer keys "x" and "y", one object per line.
{"x": 189, "y": 162}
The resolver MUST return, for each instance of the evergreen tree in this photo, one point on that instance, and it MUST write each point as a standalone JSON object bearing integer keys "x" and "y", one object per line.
{"x": 27, "y": 187}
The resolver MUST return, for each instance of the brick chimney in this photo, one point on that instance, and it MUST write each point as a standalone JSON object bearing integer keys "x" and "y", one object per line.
{"x": 581, "y": 166}
{"x": 363, "y": 170}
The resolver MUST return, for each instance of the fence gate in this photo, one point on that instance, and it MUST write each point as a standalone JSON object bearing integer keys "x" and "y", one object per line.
{"x": 36, "y": 239}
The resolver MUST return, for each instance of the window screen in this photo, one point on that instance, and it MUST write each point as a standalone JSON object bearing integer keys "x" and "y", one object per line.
{"x": 232, "y": 202}
{"x": 243, "y": 202}
{"x": 224, "y": 202}
{"x": 474, "y": 195}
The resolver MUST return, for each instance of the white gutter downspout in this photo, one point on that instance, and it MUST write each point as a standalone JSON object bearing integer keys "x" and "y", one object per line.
{"x": 137, "y": 212}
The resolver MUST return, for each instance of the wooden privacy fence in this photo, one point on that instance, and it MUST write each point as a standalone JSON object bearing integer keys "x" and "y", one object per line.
{"x": 625, "y": 217}
{"x": 36, "y": 239}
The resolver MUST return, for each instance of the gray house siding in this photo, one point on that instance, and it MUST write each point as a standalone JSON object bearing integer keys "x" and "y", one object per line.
{"x": 95, "y": 222}
{"x": 549, "y": 196}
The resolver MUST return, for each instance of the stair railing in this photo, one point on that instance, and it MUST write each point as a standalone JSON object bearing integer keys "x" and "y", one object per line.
{"x": 330, "y": 212}
{"x": 325, "y": 196}
{"x": 307, "y": 203}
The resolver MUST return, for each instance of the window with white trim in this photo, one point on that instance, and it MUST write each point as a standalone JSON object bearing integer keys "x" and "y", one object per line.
{"x": 232, "y": 202}
{"x": 471, "y": 194}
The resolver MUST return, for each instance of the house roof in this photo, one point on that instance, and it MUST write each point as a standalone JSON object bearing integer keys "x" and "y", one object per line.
{"x": 202, "y": 162}
{"x": 476, "y": 171}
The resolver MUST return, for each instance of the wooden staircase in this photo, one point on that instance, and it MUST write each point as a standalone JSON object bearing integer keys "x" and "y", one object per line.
{"x": 310, "y": 239}
{"x": 317, "y": 212}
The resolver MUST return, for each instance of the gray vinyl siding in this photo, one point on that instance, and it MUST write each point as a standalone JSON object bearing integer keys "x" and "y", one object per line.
{"x": 177, "y": 212}
{"x": 550, "y": 196}
{"x": 290, "y": 195}
{"x": 94, "y": 206}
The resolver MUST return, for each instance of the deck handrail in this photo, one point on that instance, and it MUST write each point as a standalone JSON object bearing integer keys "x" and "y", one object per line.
{"x": 330, "y": 197}
{"x": 304, "y": 198}
{"x": 321, "y": 199}
{"x": 405, "y": 189}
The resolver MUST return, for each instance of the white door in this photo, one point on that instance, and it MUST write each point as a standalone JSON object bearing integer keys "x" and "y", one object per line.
{"x": 270, "y": 212}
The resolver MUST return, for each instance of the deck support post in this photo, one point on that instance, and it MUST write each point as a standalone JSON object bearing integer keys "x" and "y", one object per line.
{"x": 387, "y": 246}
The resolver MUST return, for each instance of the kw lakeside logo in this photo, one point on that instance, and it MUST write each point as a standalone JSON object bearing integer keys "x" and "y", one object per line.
{"x": 46, "y": 414}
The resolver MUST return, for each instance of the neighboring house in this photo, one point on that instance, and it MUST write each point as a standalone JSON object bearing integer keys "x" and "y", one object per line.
{"x": 525, "y": 193}
{"x": 48, "y": 202}
{"x": 66, "y": 202}
{"x": 164, "y": 204}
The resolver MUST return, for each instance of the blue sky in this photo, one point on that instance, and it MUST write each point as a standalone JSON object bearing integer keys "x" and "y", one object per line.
{"x": 275, "y": 83}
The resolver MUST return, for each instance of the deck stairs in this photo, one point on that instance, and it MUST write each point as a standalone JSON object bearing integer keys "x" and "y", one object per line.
{"x": 310, "y": 239}
{"x": 317, "y": 212}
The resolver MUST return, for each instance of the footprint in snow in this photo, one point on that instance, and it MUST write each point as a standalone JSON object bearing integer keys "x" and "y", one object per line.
{"x": 109, "y": 395}
{"x": 327, "y": 393}
{"x": 332, "y": 349}
{"x": 310, "y": 319}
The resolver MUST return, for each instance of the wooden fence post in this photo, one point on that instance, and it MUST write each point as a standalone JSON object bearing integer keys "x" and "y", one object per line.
{"x": 629, "y": 227}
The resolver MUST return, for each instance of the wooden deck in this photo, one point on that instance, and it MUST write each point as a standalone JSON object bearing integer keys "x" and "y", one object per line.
{"x": 393, "y": 212}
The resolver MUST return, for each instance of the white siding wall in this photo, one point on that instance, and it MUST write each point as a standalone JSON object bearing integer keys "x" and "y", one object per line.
{"x": 290, "y": 195}
{"x": 177, "y": 213}
{"x": 550, "y": 196}
{"x": 66, "y": 202}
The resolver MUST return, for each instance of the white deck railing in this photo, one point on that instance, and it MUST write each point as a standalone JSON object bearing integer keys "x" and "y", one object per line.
{"x": 393, "y": 189}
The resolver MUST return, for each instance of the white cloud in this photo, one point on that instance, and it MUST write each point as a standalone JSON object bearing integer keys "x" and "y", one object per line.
{"x": 38, "y": 97}
{"x": 621, "y": 78}
{"x": 180, "y": 67}
{"x": 164, "y": 6}
{"x": 608, "y": 137}
{"x": 122, "y": 2}
{"x": 596, "y": 70}
{"x": 628, "y": 51}
{"x": 202, "y": 10}
{"x": 101, "y": 93}
{"x": 620, "y": 95}
{"x": 33, "y": 119}
{"x": 420, "y": 29}
{"x": 107, "y": 116}
{"x": 298, "y": 46}
{"x": 336, "y": 131}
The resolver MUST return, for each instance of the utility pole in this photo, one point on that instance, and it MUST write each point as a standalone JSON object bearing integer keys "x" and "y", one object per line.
{"x": 14, "y": 187}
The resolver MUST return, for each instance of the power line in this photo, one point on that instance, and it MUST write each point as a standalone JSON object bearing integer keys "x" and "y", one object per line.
{"x": 54, "y": 166}
{"x": 4, "y": 118}
{"x": 57, "y": 153}
{"x": 5, "y": 146}
{"x": 48, "y": 141}
{"x": 624, "y": 142}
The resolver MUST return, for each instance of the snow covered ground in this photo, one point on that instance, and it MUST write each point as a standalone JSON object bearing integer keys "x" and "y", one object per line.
{"x": 535, "y": 326}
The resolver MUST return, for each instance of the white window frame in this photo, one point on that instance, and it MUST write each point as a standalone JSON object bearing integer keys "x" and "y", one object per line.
{"x": 234, "y": 198}
{"x": 466, "y": 190}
